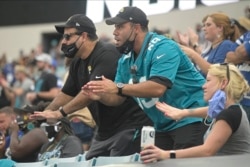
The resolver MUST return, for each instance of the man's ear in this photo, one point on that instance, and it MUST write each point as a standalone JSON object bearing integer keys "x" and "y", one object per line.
{"x": 137, "y": 27}
{"x": 84, "y": 35}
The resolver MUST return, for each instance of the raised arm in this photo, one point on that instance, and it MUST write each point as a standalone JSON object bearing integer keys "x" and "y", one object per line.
{"x": 178, "y": 114}
{"x": 196, "y": 58}
{"x": 28, "y": 144}
{"x": 239, "y": 56}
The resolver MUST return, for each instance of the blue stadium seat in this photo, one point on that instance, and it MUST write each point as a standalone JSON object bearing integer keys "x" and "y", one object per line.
{"x": 7, "y": 163}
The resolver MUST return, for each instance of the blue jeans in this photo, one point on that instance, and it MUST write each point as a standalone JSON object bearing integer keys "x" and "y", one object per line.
{"x": 83, "y": 132}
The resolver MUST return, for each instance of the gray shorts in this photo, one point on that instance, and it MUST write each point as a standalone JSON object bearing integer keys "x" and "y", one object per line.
{"x": 126, "y": 142}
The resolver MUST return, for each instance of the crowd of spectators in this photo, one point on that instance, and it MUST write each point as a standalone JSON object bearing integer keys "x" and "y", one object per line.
{"x": 35, "y": 81}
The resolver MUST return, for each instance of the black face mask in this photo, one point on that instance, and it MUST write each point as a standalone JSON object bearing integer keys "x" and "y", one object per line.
{"x": 51, "y": 132}
{"x": 70, "y": 50}
{"x": 126, "y": 47}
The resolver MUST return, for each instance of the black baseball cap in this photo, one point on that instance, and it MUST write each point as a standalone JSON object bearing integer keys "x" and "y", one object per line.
{"x": 79, "y": 21}
{"x": 129, "y": 14}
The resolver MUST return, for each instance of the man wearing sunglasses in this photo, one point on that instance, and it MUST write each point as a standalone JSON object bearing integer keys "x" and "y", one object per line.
{"x": 118, "y": 128}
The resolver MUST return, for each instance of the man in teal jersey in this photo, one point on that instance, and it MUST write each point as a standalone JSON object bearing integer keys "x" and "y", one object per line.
{"x": 153, "y": 69}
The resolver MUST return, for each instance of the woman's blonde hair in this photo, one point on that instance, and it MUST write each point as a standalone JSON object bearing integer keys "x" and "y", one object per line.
{"x": 237, "y": 86}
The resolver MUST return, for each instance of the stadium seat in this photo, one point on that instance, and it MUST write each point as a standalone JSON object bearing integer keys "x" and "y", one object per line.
{"x": 88, "y": 163}
{"x": 55, "y": 160}
{"x": 82, "y": 157}
{"x": 100, "y": 161}
{"x": 7, "y": 163}
{"x": 33, "y": 164}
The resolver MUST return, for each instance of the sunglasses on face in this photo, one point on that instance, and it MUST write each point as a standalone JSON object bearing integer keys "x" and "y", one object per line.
{"x": 68, "y": 36}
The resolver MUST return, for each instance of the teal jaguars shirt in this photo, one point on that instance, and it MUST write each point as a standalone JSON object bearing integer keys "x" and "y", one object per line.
{"x": 162, "y": 57}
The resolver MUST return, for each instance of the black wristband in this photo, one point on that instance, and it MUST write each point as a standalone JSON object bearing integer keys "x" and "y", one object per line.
{"x": 172, "y": 154}
{"x": 62, "y": 111}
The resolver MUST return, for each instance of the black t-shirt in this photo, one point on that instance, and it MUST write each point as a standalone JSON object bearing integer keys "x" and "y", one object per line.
{"x": 46, "y": 82}
{"x": 232, "y": 116}
{"x": 3, "y": 99}
{"x": 110, "y": 120}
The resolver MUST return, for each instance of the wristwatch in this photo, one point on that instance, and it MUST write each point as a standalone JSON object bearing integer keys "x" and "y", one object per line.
{"x": 119, "y": 86}
{"x": 62, "y": 111}
{"x": 172, "y": 154}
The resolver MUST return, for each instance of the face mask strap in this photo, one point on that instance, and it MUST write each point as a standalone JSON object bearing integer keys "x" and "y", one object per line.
{"x": 57, "y": 126}
{"x": 207, "y": 121}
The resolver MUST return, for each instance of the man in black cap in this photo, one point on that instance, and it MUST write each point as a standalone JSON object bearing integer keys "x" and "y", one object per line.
{"x": 153, "y": 70}
{"x": 118, "y": 128}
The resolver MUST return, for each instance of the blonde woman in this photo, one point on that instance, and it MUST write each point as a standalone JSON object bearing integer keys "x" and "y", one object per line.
{"x": 229, "y": 131}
